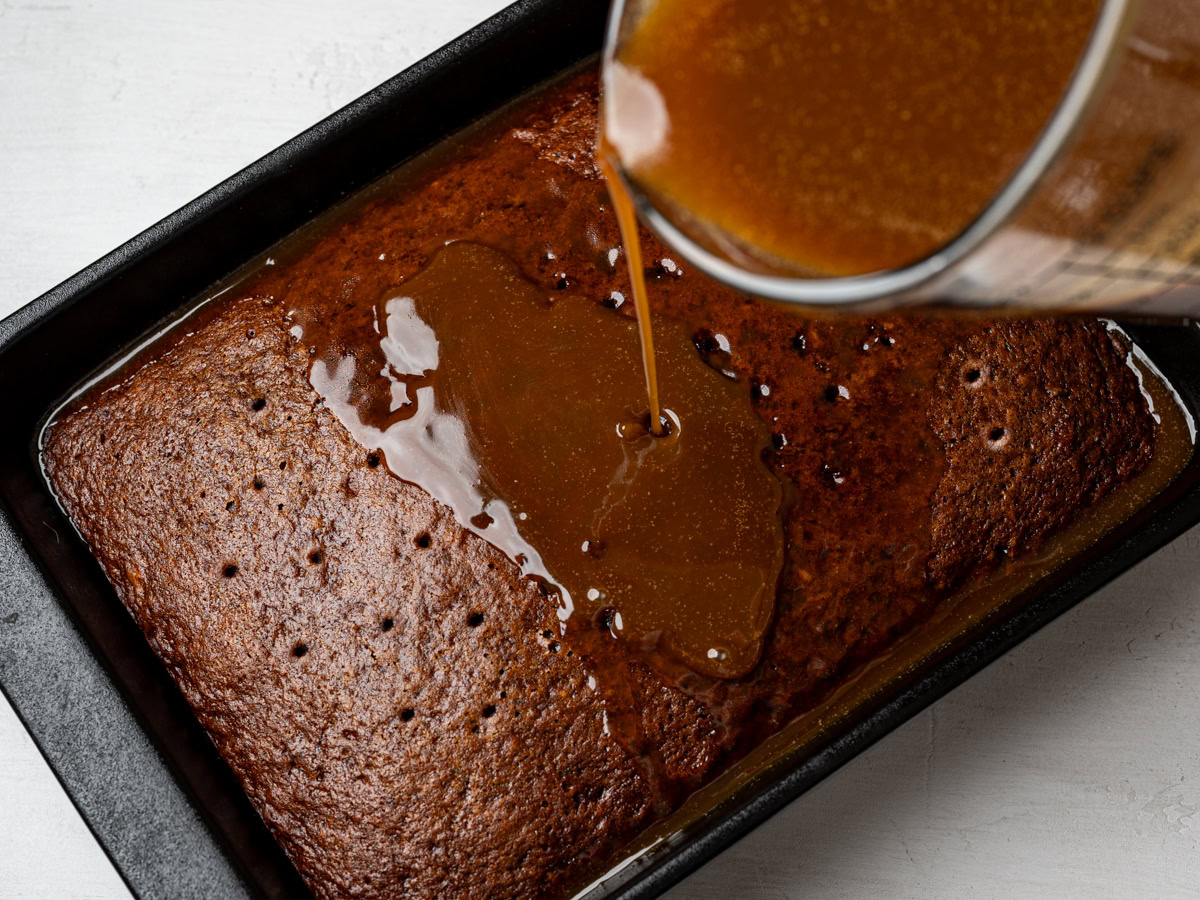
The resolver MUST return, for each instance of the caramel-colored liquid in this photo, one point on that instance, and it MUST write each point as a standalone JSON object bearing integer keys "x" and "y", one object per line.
{"x": 526, "y": 414}
{"x": 627, "y": 221}
{"x": 835, "y": 137}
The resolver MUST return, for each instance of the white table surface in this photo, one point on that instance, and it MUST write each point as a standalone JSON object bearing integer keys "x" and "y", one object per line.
{"x": 1071, "y": 768}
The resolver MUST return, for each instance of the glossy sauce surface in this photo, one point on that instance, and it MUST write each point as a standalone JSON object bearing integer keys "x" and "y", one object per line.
{"x": 835, "y": 137}
{"x": 525, "y": 412}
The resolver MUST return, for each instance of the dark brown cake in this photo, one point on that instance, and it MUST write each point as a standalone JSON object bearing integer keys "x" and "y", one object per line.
{"x": 388, "y": 689}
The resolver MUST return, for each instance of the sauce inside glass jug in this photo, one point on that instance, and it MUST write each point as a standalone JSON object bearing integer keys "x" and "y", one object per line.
{"x": 833, "y": 137}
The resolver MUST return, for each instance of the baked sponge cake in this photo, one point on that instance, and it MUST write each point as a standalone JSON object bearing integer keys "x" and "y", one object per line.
{"x": 399, "y": 704}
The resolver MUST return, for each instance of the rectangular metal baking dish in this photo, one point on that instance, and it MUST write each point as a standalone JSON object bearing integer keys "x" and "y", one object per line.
{"x": 134, "y": 760}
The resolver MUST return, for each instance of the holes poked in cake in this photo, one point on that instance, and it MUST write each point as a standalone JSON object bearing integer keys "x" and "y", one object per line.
{"x": 407, "y": 714}
{"x": 833, "y": 474}
{"x": 475, "y": 620}
{"x": 714, "y": 348}
{"x": 593, "y": 794}
{"x": 299, "y": 649}
{"x": 489, "y": 711}
{"x": 836, "y": 392}
{"x": 608, "y": 619}
{"x": 423, "y": 541}
{"x": 995, "y": 437}
{"x": 387, "y": 624}
{"x": 594, "y": 548}
{"x": 976, "y": 373}
{"x": 229, "y": 570}
{"x": 876, "y": 337}
{"x": 259, "y": 404}
{"x": 259, "y": 482}
{"x": 374, "y": 458}
{"x": 760, "y": 390}
{"x": 663, "y": 268}
{"x": 637, "y": 427}
{"x": 316, "y": 556}
{"x": 548, "y": 640}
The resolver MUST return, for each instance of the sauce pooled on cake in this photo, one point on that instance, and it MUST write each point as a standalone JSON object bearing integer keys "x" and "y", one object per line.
{"x": 526, "y": 413}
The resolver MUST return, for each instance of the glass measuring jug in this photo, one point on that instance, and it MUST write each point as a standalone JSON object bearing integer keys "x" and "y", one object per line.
{"x": 1102, "y": 213}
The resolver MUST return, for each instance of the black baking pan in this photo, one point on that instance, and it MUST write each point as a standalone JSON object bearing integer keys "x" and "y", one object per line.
{"x": 101, "y": 707}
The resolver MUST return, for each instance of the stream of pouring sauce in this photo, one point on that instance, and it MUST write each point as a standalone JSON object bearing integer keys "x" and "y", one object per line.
{"x": 834, "y": 137}
{"x": 526, "y": 415}
{"x": 627, "y": 221}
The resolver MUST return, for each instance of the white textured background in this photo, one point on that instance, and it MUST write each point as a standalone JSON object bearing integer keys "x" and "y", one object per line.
{"x": 1069, "y": 769}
